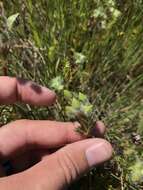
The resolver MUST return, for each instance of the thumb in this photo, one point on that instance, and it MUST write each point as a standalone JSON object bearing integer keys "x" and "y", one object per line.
{"x": 67, "y": 164}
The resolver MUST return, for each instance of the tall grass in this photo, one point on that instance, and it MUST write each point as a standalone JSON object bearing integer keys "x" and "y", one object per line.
{"x": 107, "y": 36}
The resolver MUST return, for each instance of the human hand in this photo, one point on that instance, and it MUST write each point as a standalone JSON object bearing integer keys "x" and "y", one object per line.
{"x": 45, "y": 155}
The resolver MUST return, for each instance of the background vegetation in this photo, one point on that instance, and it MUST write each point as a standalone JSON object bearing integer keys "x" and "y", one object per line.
{"x": 90, "y": 46}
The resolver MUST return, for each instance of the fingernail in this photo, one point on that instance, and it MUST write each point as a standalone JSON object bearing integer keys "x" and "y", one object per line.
{"x": 98, "y": 153}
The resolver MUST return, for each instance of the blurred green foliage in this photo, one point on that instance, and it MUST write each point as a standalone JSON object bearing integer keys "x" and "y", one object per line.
{"x": 89, "y": 51}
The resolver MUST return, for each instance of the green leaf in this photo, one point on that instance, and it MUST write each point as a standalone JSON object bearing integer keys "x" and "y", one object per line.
{"x": 82, "y": 97}
{"x": 51, "y": 52}
{"x": 57, "y": 83}
{"x": 140, "y": 127}
{"x": 111, "y": 3}
{"x": 99, "y": 12}
{"x": 116, "y": 13}
{"x": 67, "y": 94}
{"x": 75, "y": 103}
{"x": 137, "y": 171}
{"x": 79, "y": 58}
{"x": 87, "y": 109}
{"x": 70, "y": 111}
{"x": 11, "y": 19}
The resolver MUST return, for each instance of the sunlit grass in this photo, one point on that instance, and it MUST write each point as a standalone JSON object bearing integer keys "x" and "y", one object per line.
{"x": 96, "y": 48}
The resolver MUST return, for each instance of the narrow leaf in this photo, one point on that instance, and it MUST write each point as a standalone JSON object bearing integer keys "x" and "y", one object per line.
{"x": 11, "y": 19}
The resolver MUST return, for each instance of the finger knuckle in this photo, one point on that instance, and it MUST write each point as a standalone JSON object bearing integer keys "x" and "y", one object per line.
{"x": 68, "y": 166}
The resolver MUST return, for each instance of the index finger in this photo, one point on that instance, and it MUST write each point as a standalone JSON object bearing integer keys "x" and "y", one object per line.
{"x": 18, "y": 90}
